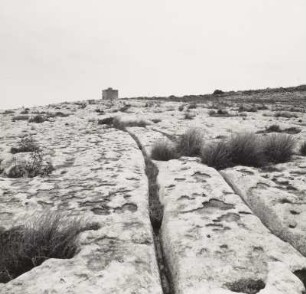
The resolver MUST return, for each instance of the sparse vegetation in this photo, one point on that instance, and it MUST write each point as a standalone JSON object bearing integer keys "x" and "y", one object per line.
{"x": 188, "y": 115}
{"x": 191, "y": 142}
{"x": 247, "y": 108}
{"x": 278, "y": 148}
{"x": 217, "y": 155}
{"x": 24, "y": 247}
{"x": 31, "y": 167}
{"x": 181, "y": 107}
{"x": 303, "y": 148}
{"x": 37, "y": 119}
{"x": 192, "y": 106}
{"x": 249, "y": 150}
{"x": 285, "y": 114}
{"x": 164, "y": 150}
{"x": 218, "y": 92}
{"x": 26, "y": 144}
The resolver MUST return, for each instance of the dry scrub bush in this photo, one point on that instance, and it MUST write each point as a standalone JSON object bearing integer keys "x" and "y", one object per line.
{"x": 191, "y": 142}
{"x": 278, "y": 148}
{"x": 24, "y": 247}
{"x": 164, "y": 150}
{"x": 32, "y": 167}
{"x": 303, "y": 148}
{"x": 26, "y": 144}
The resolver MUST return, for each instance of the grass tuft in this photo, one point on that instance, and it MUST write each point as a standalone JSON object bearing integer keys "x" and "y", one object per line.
{"x": 24, "y": 247}
{"x": 191, "y": 142}
{"x": 164, "y": 150}
{"x": 278, "y": 148}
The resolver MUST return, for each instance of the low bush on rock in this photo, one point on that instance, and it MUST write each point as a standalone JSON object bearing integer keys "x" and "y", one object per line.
{"x": 26, "y": 144}
{"x": 38, "y": 119}
{"x": 24, "y": 247}
{"x": 31, "y": 167}
{"x": 217, "y": 155}
{"x": 191, "y": 142}
{"x": 303, "y": 148}
{"x": 249, "y": 150}
{"x": 278, "y": 148}
{"x": 286, "y": 114}
{"x": 164, "y": 150}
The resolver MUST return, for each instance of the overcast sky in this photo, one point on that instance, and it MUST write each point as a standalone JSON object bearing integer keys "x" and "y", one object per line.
{"x": 61, "y": 50}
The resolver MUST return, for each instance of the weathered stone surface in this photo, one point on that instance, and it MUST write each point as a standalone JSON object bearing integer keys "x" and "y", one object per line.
{"x": 212, "y": 240}
{"x": 278, "y": 198}
{"x": 99, "y": 176}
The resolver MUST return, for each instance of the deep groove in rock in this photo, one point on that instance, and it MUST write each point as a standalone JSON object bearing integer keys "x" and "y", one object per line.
{"x": 238, "y": 192}
{"x": 301, "y": 274}
{"x": 156, "y": 216}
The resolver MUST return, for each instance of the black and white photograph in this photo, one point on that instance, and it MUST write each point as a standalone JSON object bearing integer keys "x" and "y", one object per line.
{"x": 152, "y": 147}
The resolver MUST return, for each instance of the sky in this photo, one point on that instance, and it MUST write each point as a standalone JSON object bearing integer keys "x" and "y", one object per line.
{"x": 65, "y": 50}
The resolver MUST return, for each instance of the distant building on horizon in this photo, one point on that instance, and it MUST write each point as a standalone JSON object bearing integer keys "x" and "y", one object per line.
{"x": 110, "y": 94}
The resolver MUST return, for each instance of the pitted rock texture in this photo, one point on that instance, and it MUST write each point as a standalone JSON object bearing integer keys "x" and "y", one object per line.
{"x": 278, "y": 198}
{"x": 212, "y": 240}
{"x": 99, "y": 176}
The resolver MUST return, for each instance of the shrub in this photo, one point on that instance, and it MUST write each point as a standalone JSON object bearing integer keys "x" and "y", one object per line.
{"x": 192, "y": 106}
{"x": 216, "y": 155}
{"x": 121, "y": 124}
{"x": 188, "y": 115}
{"x": 191, "y": 142}
{"x": 278, "y": 148}
{"x": 106, "y": 121}
{"x": 303, "y": 148}
{"x": 246, "y": 149}
{"x": 218, "y": 92}
{"x": 273, "y": 129}
{"x": 286, "y": 114}
{"x": 100, "y": 111}
{"x": 24, "y": 247}
{"x": 247, "y": 108}
{"x": 156, "y": 120}
{"x": 32, "y": 167}
{"x": 37, "y": 119}
{"x": 125, "y": 107}
{"x": 181, "y": 107}
{"x": 164, "y": 150}
{"x": 20, "y": 117}
{"x": 26, "y": 144}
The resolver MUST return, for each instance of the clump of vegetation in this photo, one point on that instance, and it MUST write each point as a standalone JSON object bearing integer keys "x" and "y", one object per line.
{"x": 217, "y": 155}
{"x": 273, "y": 129}
{"x": 106, "y": 121}
{"x": 37, "y": 119}
{"x": 164, "y": 150}
{"x": 100, "y": 111}
{"x": 249, "y": 150}
{"x": 188, "y": 115}
{"x": 278, "y": 148}
{"x": 31, "y": 167}
{"x": 218, "y": 92}
{"x": 191, "y": 142}
{"x": 192, "y": 106}
{"x": 285, "y": 114}
{"x": 122, "y": 124}
{"x": 220, "y": 112}
{"x": 26, "y": 144}
{"x": 247, "y": 108}
{"x": 245, "y": 149}
{"x": 25, "y": 247}
{"x": 303, "y": 148}
{"x": 20, "y": 117}
{"x": 156, "y": 120}
{"x": 181, "y": 107}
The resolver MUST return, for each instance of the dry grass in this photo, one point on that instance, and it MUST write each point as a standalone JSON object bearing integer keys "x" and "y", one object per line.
{"x": 164, "y": 150}
{"x": 32, "y": 167}
{"x": 191, "y": 142}
{"x": 26, "y": 144}
{"x": 24, "y": 247}
{"x": 278, "y": 148}
{"x": 303, "y": 148}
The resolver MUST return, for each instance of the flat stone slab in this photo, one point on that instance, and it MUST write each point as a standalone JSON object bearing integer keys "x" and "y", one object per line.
{"x": 99, "y": 176}
{"x": 277, "y": 197}
{"x": 212, "y": 240}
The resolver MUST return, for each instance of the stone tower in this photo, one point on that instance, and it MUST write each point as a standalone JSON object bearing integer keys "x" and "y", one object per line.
{"x": 110, "y": 94}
